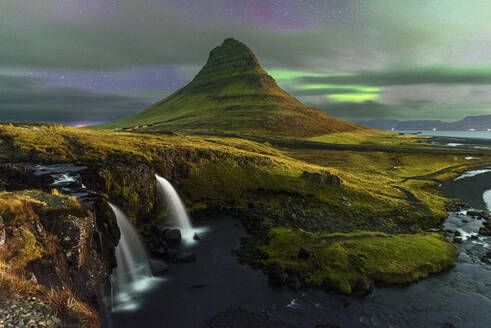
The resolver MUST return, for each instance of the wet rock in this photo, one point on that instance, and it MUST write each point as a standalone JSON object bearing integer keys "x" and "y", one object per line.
{"x": 486, "y": 258}
{"x": 277, "y": 277}
{"x": 478, "y": 214}
{"x": 457, "y": 240}
{"x": 160, "y": 252}
{"x": 323, "y": 177}
{"x": 474, "y": 237}
{"x": 294, "y": 281}
{"x": 304, "y": 254}
{"x": 196, "y": 237}
{"x": 486, "y": 229}
{"x": 172, "y": 236}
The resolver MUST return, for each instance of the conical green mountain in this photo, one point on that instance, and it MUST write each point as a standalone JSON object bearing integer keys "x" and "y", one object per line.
{"x": 232, "y": 94}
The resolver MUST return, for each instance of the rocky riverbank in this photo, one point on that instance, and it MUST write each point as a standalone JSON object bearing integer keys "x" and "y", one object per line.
{"x": 28, "y": 313}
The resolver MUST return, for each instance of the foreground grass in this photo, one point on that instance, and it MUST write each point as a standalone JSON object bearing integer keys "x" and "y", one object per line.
{"x": 355, "y": 261}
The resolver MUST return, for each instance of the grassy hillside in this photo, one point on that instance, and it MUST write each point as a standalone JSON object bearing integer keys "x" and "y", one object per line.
{"x": 273, "y": 188}
{"x": 354, "y": 262}
{"x": 232, "y": 94}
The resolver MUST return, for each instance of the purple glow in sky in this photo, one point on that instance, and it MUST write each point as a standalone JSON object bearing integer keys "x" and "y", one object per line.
{"x": 114, "y": 58}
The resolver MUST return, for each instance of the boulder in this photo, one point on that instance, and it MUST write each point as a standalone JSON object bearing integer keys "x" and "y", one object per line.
{"x": 172, "y": 236}
{"x": 478, "y": 214}
{"x": 323, "y": 177}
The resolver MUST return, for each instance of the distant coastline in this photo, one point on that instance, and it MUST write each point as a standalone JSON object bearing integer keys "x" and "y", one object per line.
{"x": 469, "y": 123}
{"x": 448, "y": 133}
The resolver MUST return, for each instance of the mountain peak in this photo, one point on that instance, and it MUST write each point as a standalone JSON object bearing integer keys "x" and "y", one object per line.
{"x": 231, "y": 56}
{"x": 232, "y": 94}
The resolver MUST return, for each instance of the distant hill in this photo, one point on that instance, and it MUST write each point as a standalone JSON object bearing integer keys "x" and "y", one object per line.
{"x": 232, "y": 94}
{"x": 482, "y": 122}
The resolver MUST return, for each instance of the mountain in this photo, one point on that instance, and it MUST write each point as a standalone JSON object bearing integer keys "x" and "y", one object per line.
{"x": 482, "y": 122}
{"x": 232, "y": 94}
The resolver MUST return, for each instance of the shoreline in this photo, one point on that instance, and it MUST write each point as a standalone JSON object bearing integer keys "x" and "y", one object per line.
{"x": 470, "y": 189}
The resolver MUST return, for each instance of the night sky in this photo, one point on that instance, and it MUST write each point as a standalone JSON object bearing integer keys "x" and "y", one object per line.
{"x": 79, "y": 62}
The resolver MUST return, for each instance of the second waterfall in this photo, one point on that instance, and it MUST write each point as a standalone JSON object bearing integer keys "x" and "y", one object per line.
{"x": 169, "y": 197}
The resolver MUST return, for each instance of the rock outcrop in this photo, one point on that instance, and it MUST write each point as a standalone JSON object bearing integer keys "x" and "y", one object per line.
{"x": 323, "y": 177}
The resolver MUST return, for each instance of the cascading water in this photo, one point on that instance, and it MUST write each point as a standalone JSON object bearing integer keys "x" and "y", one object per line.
{"x": 133, "y": 273}
{"x": 178, "y": 215}
{"x": 487, "y": 199}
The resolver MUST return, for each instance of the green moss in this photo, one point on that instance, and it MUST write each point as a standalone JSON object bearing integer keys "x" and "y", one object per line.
{"x": 25, "y": 248}
{"x": 348, "y": 262}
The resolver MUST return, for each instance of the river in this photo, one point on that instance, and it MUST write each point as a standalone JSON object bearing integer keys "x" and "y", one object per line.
{"x": 192, "y": 294}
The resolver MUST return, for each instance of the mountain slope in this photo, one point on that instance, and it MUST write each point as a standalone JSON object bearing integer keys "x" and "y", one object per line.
{"x": 233, "y": 94}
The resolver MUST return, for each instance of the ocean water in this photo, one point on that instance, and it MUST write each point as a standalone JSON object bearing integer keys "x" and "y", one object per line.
{"x": 462, "y": 134}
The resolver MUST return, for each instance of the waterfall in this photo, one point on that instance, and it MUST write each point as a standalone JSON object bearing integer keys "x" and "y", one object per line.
{"x": 178, "y": 215}
{"x": 487, "y": 199}
{"x": 133, "y": 273}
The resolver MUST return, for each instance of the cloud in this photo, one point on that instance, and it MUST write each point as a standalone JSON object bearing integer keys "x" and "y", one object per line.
{"x": 29, "y": 100}
{"x": 328, "y": 91}
{"x": 441, "y": 76}
{"x": 354, "y": 111}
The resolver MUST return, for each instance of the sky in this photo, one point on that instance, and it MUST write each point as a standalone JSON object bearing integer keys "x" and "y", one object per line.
{"x": 88, "y": 61}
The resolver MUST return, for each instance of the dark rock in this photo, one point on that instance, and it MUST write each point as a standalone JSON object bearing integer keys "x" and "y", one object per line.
{"x": 172, "y": 236}
{"x": 277, "y": 277}
{"x": 294, "y": 281}
{"x": 323, "y": 177}
{"x": 158, "y": 267}
{"x": 457, "y": 233}
{"x": 196, "y": 237}
{"x": 486, "y": 258}
{"x": 478, "y": 214}
{"x": 486, "y": 229}
{"x": 457, "y": 240}
{"x": 303, "y": 254}
{"x": 474, "y": 237}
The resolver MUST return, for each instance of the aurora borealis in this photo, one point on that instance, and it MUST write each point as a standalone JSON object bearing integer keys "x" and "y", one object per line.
{"x": 76, "y": 61}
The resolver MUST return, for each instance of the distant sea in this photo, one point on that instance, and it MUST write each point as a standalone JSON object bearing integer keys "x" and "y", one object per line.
{"x": 462, "y": 134}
